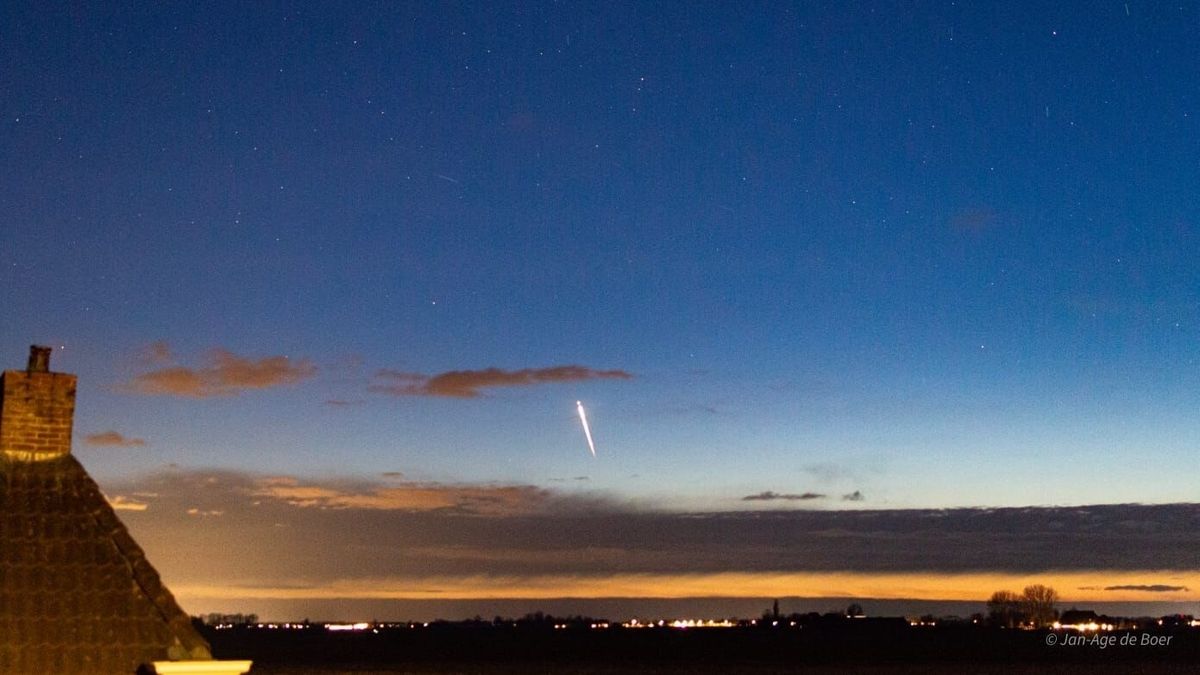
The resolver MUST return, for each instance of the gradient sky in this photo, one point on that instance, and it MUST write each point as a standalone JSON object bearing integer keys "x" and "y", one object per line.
{"x": 869, "y": 256}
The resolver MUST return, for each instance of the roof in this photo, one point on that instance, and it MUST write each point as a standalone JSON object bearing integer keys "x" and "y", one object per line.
{"x": 77, "y": 594}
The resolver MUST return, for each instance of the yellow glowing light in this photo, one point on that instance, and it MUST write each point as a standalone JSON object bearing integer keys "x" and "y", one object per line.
{"x": 891, "y": 585}
{"x": 347, "y": 626}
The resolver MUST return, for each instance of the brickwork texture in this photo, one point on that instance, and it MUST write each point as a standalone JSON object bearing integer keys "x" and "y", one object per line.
{"x": 77, "y": 594}
{"x": 36, "y": 414}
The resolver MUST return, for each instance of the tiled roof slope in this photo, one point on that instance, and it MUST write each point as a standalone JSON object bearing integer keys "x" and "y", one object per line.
{"x": 77, "y": 594}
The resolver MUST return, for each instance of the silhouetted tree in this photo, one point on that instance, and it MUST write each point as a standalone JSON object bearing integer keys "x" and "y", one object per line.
{"x": 855, "y": 610}
{"x": 1004, "y": 609}
{"x": 1038, "y": 602}
{"x": 537, "y": 618}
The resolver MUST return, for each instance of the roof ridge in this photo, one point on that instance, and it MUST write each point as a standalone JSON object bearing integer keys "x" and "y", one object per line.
{"x": 77, "y": 593}
{"x": 145, "y": 577}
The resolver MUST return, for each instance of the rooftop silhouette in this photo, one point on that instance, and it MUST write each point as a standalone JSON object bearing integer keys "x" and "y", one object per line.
{"x": 77, "y": 594}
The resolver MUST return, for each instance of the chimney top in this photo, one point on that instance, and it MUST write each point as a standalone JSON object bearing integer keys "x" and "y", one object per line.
{"x": 39, "y": 359}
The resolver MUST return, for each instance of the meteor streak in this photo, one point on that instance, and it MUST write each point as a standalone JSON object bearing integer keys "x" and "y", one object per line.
{"x": 586, "y": 430}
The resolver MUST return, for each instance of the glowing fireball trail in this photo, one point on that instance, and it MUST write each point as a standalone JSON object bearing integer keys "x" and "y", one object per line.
{"x": 586, "y": 430}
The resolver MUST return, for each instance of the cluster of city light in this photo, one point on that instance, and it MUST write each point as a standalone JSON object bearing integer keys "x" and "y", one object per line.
{"x": 636, "y": 623}
{"x": 1089, "y": 627}
{"x": 264, "y": 626}
{"x": 702, "y": 623}
{"x": 336, "y": 627}
{"x": 374, "y": 627}
{"x": 1192, "y": 623}
{"x": 680, "y": 623}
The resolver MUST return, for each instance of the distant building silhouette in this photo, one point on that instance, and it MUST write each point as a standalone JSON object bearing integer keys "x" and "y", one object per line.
{"x": 1078, "y": 616}
{"x": 77, "y": 595}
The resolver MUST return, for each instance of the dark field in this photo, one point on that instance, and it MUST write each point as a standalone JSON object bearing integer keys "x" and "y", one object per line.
{"x": 457, "y": 649}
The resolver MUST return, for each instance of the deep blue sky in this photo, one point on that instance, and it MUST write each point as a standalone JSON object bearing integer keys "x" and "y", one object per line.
{"x": 938, "y": 253}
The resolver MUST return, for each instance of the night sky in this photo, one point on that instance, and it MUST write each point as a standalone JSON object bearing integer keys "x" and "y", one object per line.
{"x": 333, "y": 277}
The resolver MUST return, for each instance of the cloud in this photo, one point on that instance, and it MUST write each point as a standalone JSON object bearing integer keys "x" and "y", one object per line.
{"x": 225, "y": 374}
{"x": 472, "y": 499}
{"x": 855, "y": 496}
{"x": 345, "y": 534}
{"x": 123, "y": 503}
{"x": 468, "y": 383}
{"x": 204, "y": 514}
{"x": 769, "y": 496}
{"x": 1148, "y": 588}
{"x": 113, "y": 439}
{"x": 341, "y": 403}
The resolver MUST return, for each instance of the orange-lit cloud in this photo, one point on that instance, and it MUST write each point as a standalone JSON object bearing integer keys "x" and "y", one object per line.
{"x": 123, "y": 503}
{"x": 225, "y": 374}
{"x": 894, "y": 585}
{"x": 390, "y": 537}
{"x": 411, "y": 497}
{"x": 1149, "y": 588}
{"x": 113, "y": 439}
{"x": 469, "y": 383}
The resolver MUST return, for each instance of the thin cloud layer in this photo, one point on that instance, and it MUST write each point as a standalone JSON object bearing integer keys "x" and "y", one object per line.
{"x": 1148, "y": 588}
{"x": 348, "y": 531}
{"x": 123, "y": 503}
{"x": 409, "y": 496}
{"x": 770, "y": 496}
{"x": 114, "y": 440}
{"x": 224, "y": 374}
{"x": 470, "y": 383}
{"x": 629, "y": 590}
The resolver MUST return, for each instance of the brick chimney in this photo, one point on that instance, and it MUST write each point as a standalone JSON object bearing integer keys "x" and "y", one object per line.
{"x": 37, "y": 409}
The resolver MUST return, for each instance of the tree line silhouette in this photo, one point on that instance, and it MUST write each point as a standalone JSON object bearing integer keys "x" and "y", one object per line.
{"x": 1034, "y": 607}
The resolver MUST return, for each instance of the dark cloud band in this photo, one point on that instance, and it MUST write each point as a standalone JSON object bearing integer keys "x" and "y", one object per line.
{"x": 357, "y": 529}
{"x": 469, "y": 383}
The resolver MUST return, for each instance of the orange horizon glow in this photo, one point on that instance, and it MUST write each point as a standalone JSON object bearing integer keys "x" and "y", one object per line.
{"x": 1082, "y": 586}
